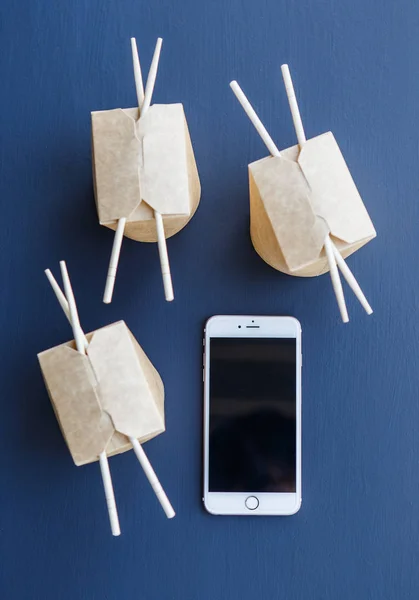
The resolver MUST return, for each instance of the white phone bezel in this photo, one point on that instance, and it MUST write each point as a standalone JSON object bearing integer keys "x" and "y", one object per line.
{"x": 228, "y": 503}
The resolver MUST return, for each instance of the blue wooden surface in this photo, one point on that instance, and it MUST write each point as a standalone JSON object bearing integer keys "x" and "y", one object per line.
{"x": 356, "y": 71}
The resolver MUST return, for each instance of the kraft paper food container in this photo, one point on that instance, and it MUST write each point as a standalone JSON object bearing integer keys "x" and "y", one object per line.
{"x": 144, "y": 165}
{"x": 297, "y": 198}
{"x": 104, "y": 397}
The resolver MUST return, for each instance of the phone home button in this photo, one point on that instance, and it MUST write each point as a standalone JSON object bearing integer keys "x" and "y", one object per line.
{"x": 252, "y": 503}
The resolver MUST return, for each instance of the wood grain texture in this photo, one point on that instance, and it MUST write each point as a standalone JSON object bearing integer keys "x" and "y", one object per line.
{"x": 356, "y": 535}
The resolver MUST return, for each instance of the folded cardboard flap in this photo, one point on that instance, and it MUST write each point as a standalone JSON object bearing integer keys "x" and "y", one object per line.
{"x": 116, "y": 154}
{"x": 285, "y": 196}
{"x": 304, "y": 195}
{"x": 142, "y": 165}
{"x": 106, "y": 396}
{"x": 334, "y": 195}
{"x": 164, "y": 169}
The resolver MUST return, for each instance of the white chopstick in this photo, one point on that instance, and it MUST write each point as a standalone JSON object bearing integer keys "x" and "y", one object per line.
{"x": 260, "y": 128}
{"x": 256, "y": 122}
{"x": 161, "y": 238}
{"x": 351, "y": 281}
{"x": 336, "y": 282}
{"x": 113, "y": 263}
{"x": 68, "y": 304}
{"x": 139, "y": 87}
{"x": 145, "y": 463}
{"x": 301, "y": 137}
{"x": 151, "y": 79}
{"x": 62, "y": 300}
{"x": 295, "y": 111}
{"x": 152, "y": 478}
{"x": 74, "y": 315}
{"x": 164, "y": 258}
{"x": 109, "y": 494}
{"x": 144, "y": 101}
{"x": 333, "y": 254}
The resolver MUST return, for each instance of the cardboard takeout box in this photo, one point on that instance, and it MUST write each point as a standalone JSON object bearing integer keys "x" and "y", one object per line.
{"x": 297, "y": 198}
{"x": 144, "y": 165}
{"x": 105, "y": 396}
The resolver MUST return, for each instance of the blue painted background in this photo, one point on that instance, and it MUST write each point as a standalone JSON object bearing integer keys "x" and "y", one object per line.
{"x": 356, "y": 70}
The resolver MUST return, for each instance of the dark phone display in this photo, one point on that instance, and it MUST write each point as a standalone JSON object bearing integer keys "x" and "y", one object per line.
{"x": 252, "y": 425}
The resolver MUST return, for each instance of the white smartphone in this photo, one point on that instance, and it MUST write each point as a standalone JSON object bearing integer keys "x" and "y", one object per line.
{"x": 252, "y": 415}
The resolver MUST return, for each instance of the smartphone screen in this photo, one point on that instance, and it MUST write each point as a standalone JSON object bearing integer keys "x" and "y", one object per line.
{"x": 252, "y": 415}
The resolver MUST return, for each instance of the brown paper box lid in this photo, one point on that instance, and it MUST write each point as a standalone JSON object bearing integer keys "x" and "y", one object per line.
{"x": 123, "y": 389}
{"x": 140, "y": 161}
{"x": 334, "y": 194}
{"x": 71, "y": 386}
{"x": 307, "y": 194}
{"x": 114, "y": 389}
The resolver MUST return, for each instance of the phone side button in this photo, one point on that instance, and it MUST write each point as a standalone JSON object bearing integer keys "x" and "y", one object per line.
{"x": 203, "y": 375}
